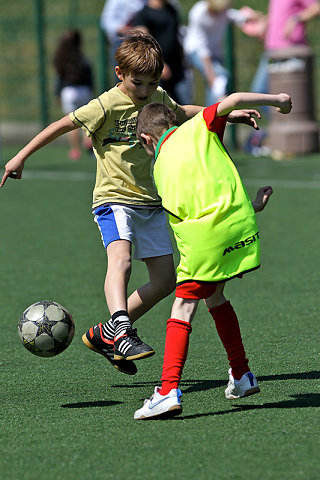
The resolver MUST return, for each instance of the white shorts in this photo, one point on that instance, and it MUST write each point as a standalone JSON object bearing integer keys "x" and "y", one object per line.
{"x": 145, "y": 228}
{"x": 74, "y": 97}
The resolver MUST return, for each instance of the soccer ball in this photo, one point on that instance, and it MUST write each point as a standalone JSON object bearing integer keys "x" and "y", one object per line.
{"x": 46, "y": 329}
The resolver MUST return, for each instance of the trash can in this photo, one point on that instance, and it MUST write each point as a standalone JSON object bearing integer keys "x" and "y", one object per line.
{"x": 291, "y": 71}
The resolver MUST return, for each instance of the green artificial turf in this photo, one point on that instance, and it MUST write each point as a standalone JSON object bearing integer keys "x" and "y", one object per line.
{"x": 71, "y": 417}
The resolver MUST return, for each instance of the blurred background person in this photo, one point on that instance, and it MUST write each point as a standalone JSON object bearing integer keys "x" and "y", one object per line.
{"x": 74, "y": 84}
{"x": 160, "y": 18}
{"x": 284, "y": 27}
{"x": 116, "y": 19}
{"x": 204, "y": 42}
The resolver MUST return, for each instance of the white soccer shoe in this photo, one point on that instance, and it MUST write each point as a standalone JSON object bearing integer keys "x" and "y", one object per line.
{"x": 247, "y": 385}
{"x": 158, "y": 406}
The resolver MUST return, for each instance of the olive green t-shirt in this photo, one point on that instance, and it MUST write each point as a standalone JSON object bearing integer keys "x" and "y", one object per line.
{"x": 123, "y": 167}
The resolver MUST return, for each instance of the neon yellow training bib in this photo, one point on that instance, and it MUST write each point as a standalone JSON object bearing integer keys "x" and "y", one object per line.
{"x": 210, "y": 212}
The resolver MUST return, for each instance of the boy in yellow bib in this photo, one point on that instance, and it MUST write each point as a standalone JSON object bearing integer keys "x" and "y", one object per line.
{"x": 215, "y": 228}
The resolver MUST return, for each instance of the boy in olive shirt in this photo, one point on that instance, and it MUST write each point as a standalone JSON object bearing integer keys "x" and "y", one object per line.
{"x": 126, "y": 206}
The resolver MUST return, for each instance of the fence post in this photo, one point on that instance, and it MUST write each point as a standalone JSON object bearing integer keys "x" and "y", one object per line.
{"x": 39, "y": 21}
{"x": 73, "y": 13}
{"x": 103, "y": 61}
{"x": 230, "y": 65}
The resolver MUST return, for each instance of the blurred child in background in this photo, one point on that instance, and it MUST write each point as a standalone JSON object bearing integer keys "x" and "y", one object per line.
{"x": 116, "y": 19}
{"x": 74, "y": 85}
{"x": 161, "y": 19}
{"x": 285, "y": 26}
{"x": 204, "y": 42}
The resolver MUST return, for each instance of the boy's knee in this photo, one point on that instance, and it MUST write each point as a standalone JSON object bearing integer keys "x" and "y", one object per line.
{"x": 119, "y": 256}
{"x": 184, "y": 309}
{"x": 165, "y": 287}
{"x": 125, "y": 263}
{"x": 170, "y": 286}
{"x": 122, "y": 264}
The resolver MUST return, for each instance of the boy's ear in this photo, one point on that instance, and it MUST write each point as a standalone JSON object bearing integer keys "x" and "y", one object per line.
{"x": 119, "y": 73}
{"x": 146, "y": 138}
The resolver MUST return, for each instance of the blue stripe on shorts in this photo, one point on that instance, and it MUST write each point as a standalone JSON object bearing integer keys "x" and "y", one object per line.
{"x": 105, "y": 219}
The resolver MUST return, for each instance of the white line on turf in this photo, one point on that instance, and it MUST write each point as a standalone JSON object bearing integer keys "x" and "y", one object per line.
{"x": 290, "y": 184}
{"x": 256, "y": 182}
{"x": 57, "y": 175}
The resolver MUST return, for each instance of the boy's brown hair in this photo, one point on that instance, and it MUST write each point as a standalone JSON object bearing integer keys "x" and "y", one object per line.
{"x": 154, "y": 119}
{"x": 140, "y": 54}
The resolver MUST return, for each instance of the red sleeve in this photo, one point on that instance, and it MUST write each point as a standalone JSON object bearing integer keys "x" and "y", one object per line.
{"x": 214, "y": 123}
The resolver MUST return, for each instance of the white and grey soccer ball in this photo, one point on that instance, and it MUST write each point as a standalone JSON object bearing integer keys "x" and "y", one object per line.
{"x": 46, "y": 328}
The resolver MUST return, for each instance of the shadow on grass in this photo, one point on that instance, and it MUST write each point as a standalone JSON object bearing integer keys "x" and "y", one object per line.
{"x": 313, "y": 375}
{"x": 100, "y": 403}
{"x": 196, "y": 385}
{"x": 303, "y": 400}
{"x": 306, "y": 400}
{"x": 203, "y": 385}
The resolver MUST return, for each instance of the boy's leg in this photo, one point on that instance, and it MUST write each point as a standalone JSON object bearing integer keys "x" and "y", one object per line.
{"x": 166, "y": 400}
{"x": 162, "y": 283}
{"x": 127, "y": 345}
{"x": 178, "y": 331}
{"x": 118, "y": 275}
{"x": 116, "y": 338}
{"x": 177, "y": 342}
{"x": 241, "y": 381}
{"x": 228, "y": 329}
{"x": 153, "y": 246}
{"x": 100, "y": 338}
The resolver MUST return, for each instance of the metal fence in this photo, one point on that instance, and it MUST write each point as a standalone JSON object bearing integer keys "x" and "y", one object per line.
{"x": 28, "y": 38}
{"x": 29, "y": 30}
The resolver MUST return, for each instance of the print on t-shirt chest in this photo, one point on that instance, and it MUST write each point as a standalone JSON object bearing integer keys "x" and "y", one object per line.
{"x": 123, "y": 130}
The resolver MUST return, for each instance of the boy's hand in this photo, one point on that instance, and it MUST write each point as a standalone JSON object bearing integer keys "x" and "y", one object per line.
{"x": 285, "y": 103}
{"x": 244, "y": 116}
{"x": 262, "y": 198}
{"x": 13, "y": 169}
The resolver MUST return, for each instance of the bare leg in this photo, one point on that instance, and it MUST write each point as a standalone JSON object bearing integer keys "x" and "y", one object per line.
{"x": 184, "y": 309}
{"x": 162, "y": 283}
{"x": 217, "y": 298}
{"x": 116, "y": 339}
{"x": 118, "y": 274}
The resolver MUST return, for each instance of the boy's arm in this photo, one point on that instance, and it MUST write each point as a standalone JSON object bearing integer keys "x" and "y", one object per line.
{"x": 14, "y": 167}
{"x": 185, "y": 112}
{"x": 262, "y": 198}
{"x": 243, "y": 100}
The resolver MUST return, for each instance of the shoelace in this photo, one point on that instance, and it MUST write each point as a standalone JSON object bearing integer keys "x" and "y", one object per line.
{"x": 132, "y": 333}
{"x": 147, "y": 399}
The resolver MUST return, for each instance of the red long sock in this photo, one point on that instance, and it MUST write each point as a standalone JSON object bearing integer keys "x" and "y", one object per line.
{"x": 229, "y": 332}
{"x": 175, "y": 353}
